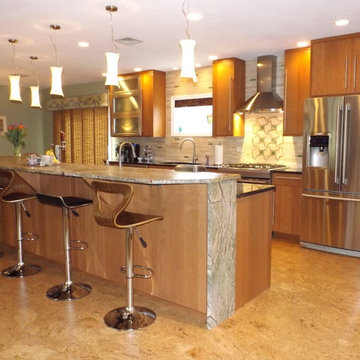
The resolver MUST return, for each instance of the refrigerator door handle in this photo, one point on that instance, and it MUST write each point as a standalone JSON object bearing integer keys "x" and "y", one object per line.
{"x": 338, "y": 143}
{"x": 344, "y": 177}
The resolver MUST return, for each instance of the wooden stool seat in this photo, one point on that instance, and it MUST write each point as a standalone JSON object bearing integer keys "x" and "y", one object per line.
{"x": 111, "y": 212}
{"x": 130, "y": 219}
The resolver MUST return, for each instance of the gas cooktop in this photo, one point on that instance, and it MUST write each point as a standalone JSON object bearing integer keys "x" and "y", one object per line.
{"x": 256, "y": 166}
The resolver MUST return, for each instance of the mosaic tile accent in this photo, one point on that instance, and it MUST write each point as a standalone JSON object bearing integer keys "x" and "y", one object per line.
{"x": 221, "y": 252}
{"x": 267, "y": 138}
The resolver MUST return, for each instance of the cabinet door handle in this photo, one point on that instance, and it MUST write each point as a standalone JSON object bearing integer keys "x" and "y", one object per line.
{"x": 273, "y": 209}
{"x": 355, "y": 69}
{"x": 346, "y": 73}
{"x": 230, "y": 103}
{"x": 285, "y": 100}
{"x": 287, "y": 178}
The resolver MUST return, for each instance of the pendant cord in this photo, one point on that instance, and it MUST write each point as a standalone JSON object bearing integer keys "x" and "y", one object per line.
{"x": 186, "y": 17}
{"x": 33, "y": 71}
{"x": 112, "y": 32}
{"x": 13, "y": 57}
{"x": 53, "y": 43}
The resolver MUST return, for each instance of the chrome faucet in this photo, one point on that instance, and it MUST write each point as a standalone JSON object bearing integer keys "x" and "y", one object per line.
{"x": 120, "y": 149}
{"x": 194, "y": 148}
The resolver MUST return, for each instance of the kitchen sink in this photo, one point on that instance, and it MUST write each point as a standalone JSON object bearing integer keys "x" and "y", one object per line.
{"x": 174, "y": 163}
{"x": 190, "y": 167}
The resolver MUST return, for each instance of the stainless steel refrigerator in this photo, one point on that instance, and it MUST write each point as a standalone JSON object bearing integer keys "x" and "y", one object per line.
{"x": 331, "y": 175}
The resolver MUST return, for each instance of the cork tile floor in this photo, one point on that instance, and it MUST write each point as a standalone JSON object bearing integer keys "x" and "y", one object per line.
{"x": 312, "y": 311}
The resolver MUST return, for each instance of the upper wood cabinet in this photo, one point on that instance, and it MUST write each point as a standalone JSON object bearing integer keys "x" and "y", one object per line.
{"x": 287, "y": 214}
{"x": 228, "y": 93}
{"x": 296, "y": 89}
{"x": 146, "y": 88}
{"x": 334, "y": 65}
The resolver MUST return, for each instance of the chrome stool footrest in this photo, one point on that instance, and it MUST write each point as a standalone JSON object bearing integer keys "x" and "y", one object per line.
{"x": 137, "y": 275}
{"x": 28, "y": 236}
{"x": 78, "y": 245}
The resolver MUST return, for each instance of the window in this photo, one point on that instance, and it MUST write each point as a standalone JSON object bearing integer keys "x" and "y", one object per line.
{"x": 86, "y": 134}
{"x": 191, "y": 115}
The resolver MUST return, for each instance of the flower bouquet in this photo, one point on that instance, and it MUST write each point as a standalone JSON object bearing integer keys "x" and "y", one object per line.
{"x": 15, "y": 134}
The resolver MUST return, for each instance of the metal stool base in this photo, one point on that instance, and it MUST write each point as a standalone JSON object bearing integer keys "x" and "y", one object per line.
{"x": 17, "y": 271}
{"x": 70, "y": 292}
{"x": 122, "y": 319}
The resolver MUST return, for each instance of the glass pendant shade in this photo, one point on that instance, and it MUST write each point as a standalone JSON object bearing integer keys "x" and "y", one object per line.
{"x": 15, "y": 88}
{"x": 56, "y": 86}
{"x": 188, "y": 61}
{"x": 35, "y": 97}
{"x": 112, "y": 60}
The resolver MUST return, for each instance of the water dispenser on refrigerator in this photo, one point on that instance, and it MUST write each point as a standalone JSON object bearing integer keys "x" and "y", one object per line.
{"x": 318, "y": 150}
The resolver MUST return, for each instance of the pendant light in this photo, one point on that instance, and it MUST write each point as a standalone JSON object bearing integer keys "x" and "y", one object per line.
{"x": 112, "y": 58}
{"x": 14, "y": 79}
{"x": 187, "y": 50}
{"x": 56, "y": 71}
{"x": 35, "y": 90}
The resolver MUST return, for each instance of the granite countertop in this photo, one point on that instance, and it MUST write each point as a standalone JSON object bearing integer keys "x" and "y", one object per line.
{"x": 246, "y": 189}
{"x": 129, "y": 174}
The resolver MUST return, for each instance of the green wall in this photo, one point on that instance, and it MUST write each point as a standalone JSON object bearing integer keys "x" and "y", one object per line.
{"x": 37, "y": 121}
{"x": 22, "y": 113}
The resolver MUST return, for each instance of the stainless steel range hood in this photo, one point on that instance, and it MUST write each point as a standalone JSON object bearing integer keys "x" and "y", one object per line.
{"x": 266, "y": 99}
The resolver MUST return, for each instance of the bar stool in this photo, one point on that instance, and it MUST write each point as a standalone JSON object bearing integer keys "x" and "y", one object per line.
{"x": 113, "y": 214}
{"x": 1, "y": 189}
{"x": 68, "y": 290}
{"x": 17, "y": 191}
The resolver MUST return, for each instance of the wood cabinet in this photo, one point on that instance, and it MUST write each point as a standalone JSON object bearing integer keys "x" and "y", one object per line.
{"x": 253, "y": 246}
{"x": 287, "y": 214}
{"x": 228, "y": 93}
{"x": 152, "y": 114}
{"x": 334, "y": 65}
{"x": 296, "y": 89}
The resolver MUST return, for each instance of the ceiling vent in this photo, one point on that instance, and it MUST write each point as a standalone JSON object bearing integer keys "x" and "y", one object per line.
{"x": 128, "y": 41}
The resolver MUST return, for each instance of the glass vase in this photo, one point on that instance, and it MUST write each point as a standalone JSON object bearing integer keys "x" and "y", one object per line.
{"x": 17, "y": 150}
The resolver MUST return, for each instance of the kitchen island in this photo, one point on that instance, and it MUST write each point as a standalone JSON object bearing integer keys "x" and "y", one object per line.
{"x": 192, "y": 251}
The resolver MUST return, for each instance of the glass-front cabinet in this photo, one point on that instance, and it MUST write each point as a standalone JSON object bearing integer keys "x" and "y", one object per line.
{"x": 127, "y": 107}
{"x": 137, "y": 105}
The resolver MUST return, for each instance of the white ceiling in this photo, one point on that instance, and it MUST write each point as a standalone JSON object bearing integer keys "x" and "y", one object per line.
{"x": 243, "y": 29}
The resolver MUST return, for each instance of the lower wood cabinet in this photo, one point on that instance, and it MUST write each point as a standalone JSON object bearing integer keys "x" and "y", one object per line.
{"x": 253, "y": 246}
{"x": 287, "y": 214}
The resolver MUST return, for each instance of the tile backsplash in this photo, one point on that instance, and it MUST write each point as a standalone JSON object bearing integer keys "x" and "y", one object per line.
{"x": 263, "y": 141}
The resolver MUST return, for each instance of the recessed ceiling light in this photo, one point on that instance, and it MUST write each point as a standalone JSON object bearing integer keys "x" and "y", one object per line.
{"x": 213, "y": 57}
{"x": 175, "y": 68}
{"x": 342, "y": 22}
{"x": 104, "y": 74}
{"x": 194, "y": 16}
{"x": 83, "y": 44}
{"x": 302, "y": 43}
{"x": 137, "y": 69}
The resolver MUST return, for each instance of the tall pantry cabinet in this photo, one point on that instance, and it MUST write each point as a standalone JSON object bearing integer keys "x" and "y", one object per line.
{"x": 296, "y": 89}
{"x": 228, "y": 93}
